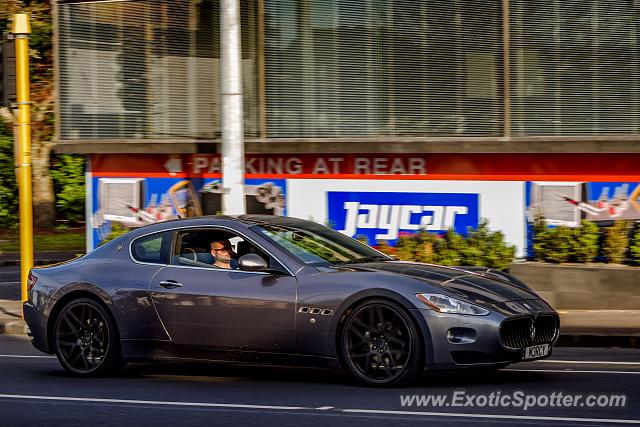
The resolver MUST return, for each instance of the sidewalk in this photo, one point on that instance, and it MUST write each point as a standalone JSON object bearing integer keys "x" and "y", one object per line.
{"x": 581, "y": 328}
{"x": 11, "y": 318}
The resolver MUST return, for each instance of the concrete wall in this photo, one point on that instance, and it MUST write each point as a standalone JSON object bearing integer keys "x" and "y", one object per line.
{"x": 583, "y": 287}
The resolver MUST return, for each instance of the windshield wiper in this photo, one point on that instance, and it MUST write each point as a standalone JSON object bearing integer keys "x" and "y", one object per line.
{"x": 372, "y": 258}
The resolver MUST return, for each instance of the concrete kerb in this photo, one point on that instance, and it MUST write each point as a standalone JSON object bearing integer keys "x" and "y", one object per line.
{"x": 18, "y": 327}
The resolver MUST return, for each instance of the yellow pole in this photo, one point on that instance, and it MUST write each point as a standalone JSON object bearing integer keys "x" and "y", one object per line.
{"x": 21, "y": 30}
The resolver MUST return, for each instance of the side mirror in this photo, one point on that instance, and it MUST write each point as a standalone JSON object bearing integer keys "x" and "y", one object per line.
{"x": 252, "y": 262}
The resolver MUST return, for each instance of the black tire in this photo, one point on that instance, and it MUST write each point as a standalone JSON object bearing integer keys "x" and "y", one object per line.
{"x": 380, "y": 345}
{"x": 86, "y": 340}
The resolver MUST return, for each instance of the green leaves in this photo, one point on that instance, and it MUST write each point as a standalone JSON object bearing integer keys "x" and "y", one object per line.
{"x": 8, "y": 184}
{"x": 481, "y": 247}
{"x": 67, "y": 173}
{"x": 615, "y": 241}
{"x": 634, "y": 245}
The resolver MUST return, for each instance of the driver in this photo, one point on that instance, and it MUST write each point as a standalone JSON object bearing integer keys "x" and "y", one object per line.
{"x": 223, "y": 255}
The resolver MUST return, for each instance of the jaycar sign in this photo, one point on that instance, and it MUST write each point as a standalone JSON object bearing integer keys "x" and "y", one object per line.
{"x": 384, "y": 215}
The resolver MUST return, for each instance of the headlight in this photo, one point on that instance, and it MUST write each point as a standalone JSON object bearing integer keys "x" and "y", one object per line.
{"x": 445, "y": 304}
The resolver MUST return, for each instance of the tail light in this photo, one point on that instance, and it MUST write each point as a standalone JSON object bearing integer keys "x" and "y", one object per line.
{"x": 31, "y": 281}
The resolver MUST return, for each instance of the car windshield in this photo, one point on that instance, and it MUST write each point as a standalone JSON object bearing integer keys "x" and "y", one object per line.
{"x": 318, "y": 245}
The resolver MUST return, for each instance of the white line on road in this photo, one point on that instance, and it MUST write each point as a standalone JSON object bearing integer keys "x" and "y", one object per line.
{"x": 587, "y": 362}
{"x": 152, "y": 402}
{"x": 322, "y": 408}
{"x": 572, "y": 371}
{"x": 27, "y": 357}
{"x": 508, "y": 417}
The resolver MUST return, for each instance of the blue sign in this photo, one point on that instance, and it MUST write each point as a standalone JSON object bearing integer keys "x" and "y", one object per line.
{"x": 383, "y": 216}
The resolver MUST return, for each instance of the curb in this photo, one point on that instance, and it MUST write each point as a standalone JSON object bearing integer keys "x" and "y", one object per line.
{"x": 18, "y": 327}
{"x": 595, "y": 340}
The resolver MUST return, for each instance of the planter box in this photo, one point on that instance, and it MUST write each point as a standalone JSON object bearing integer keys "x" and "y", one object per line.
{"x": 583, "y": 286}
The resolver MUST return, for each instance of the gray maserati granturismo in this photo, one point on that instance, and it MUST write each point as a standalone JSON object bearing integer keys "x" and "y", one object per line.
{"x": 276, "y": 290}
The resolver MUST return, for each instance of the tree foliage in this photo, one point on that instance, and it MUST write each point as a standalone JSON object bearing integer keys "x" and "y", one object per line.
{"x": 67, "y": 172}
{"x": 8, "y": 185}
{"x": 42, "y": 98}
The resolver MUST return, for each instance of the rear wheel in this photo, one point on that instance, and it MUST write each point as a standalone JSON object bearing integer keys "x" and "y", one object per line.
{"x": 85, "y": 339}
{"x": 380, "y": 345}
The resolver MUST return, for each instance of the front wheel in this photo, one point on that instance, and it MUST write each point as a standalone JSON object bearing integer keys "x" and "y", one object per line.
{"x": 85, "y": 339}
{"x": 380, "y": 344}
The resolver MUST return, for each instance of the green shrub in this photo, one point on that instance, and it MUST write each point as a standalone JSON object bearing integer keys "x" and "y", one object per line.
{"x": 481, "y": 247}
{"x": 450, "y": 249}
{"x": 117, "y": 230}
{"x": 585, "y": 242}
{"x": 616, "y": 241}
{"x": 383, "y": 246}
{"x": 67, "y": 173}
{"x": 418, "y": 247}
{"x": 554, "y": 244}
{"x": 634, "y": 245}
{"x": 487, "y": 248}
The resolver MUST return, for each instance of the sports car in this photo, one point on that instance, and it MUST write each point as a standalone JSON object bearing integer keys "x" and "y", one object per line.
{"x": 297, "y": 293}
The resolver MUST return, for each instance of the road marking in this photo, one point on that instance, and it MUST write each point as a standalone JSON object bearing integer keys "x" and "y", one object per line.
{"x": 587, "y": 362}
{"x": 508, "y": 417}
{"x": 571, "y": 371}
{"x": 153, "y": 402}
{"x": 27, "y": 357}
{"x": 321, "y": 408}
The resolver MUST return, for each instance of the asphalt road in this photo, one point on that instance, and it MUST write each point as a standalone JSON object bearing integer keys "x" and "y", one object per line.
{"x": 10, "y": 282}
{"x": 36, "y": 391}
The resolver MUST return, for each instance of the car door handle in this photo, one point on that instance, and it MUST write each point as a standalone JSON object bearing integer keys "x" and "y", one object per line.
{"x": 170, "y": 284}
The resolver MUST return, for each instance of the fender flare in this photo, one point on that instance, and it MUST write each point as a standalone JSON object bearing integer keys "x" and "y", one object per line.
{"x": 412, "y": 310}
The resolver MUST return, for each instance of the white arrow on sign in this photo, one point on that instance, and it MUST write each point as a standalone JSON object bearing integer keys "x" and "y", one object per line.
{"x": 173, "y": 165}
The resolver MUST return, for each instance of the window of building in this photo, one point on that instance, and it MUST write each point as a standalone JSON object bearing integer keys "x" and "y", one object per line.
{"x": 371, "y": 68}
{"x": 575, "y": 67}
{"x": 148, "y": 69}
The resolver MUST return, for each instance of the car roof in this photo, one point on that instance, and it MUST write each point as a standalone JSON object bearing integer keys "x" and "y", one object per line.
{"x": 246, "y": 220}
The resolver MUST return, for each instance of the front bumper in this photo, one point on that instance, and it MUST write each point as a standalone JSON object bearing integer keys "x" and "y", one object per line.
{"x": 479, "y": 341}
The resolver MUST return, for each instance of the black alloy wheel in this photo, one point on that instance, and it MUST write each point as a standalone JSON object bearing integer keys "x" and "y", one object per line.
{"x": 380, "y": 344}
{"x": 85, "y": 339}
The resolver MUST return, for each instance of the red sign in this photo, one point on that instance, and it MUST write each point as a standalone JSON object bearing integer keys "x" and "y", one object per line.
{"x": 491, "y": 167}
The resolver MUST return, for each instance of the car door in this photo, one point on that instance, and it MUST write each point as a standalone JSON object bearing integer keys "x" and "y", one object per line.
{"x": 226, "y": 309}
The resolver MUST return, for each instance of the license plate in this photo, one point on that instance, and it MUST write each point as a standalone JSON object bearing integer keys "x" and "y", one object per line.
{"x": 536, "y": 351}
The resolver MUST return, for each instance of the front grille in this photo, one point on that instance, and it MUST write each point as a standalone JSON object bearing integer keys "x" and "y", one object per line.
{"x": 516, "y": 333}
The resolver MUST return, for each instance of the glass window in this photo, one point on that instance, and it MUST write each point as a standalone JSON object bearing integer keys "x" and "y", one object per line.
{"x": 318, "y": 245}
{"x": 212, "y": 248}
{"x": 575, "y": 67}
{"x": 401, "y": 67}
{"x": 153, "y": 248}
{"x": 148, "y": 69}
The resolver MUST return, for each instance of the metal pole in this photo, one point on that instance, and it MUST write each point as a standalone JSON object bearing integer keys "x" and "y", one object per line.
{"x": 21, "y": 29}
{"x": 231, "y": 117}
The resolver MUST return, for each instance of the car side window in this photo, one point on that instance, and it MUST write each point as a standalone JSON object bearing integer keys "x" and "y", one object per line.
{"x": 153, "y": 248}
{"x": 212, "y": 248}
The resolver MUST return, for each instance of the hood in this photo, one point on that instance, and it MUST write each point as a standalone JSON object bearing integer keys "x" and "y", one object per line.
{"x": 475, "y": 287}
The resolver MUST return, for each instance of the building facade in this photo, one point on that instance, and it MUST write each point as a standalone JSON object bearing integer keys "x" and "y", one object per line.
{"x": 377, "y": 117}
